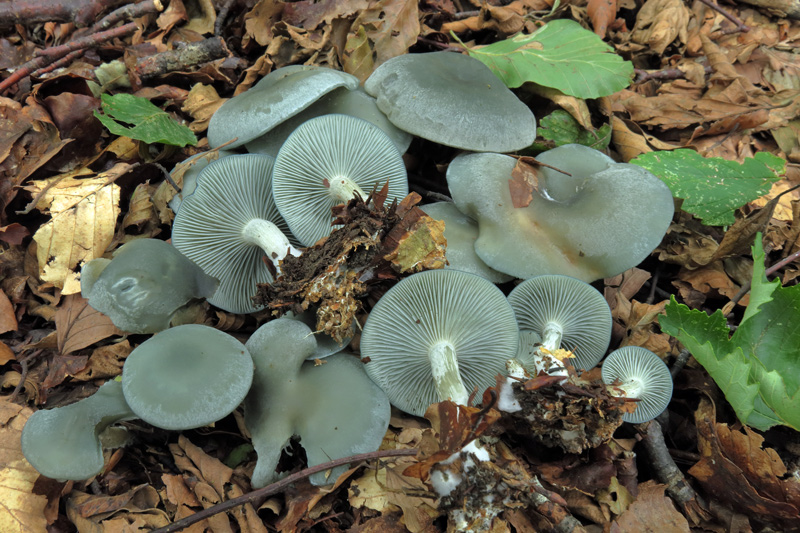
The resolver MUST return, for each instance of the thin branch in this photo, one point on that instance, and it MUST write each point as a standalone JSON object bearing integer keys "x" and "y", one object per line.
{"x": 740, "y": 26}
{"x": 278, "y": 486}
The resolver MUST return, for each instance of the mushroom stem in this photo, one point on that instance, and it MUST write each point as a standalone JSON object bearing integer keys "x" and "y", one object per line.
{"x": 344, "y": 189}
{"x": 444, "y": 367}
{"x": 551, "y": 341}
{"x": 270, "y": 238}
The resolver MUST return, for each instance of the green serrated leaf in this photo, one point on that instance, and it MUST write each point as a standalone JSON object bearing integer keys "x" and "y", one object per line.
{"x": 147, "y": 122}
{"x": 561, "y": 54}
{"x": 713, "y": 188}
{"x": 756, "y": 368}
{"x": 562, "y": 128}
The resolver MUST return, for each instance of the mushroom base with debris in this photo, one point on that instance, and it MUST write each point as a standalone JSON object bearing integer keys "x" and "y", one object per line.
{"x": 575, "y": 415}
{"x": 374, "y": 243}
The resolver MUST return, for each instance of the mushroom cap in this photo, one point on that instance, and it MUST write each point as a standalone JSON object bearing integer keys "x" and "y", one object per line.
{"x": 578, "y": 308}
{"x": 334, "y": 407}
{"x": 452, "y": 99}
{"x": 144, "y": 285}
{"x": 647, "y": 372}
{"x": 281, "y": 94}
{"x": 64, "y": 443}
{"x": 326, "y": 345}
{"x": 320, "y": 153}
{"x": 186, "y": 377}
{"x": 425, "y": 308}
{"x": 461, "y": 233}
{"x": 526, "y": 354}
{"x": 189, "y": 180}
{"x": 590, "y": 225}
{"x": 343, "y": 101}
{"x": 208, "y": 227}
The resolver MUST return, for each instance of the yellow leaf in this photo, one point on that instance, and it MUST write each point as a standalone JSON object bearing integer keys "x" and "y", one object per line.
{"x": 84, "y": 215}
{"x": 21, "y": 511}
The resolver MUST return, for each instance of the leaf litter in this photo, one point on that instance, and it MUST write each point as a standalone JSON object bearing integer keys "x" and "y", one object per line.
{"x": 701, "y": 84}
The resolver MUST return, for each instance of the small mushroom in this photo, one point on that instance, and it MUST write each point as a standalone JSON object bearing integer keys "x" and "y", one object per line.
{"x": 229, "y": 223}
{"x": 597, "y": 222}
{"x": 144, "y": 285}
{"x": 186, "y": 377}
{"x": 327, "y": 161}
{"x": 452, "y": 99}
{"x": 334, "y": 407}
{"x": 437, "y": 335}
{"x": 64, "y": 443}
{"x": 565, "y": 312}
{"x": 344, "y": 101}
{"x": 461, "y": 233}
{"x": 281, "y": 94}
{"x": 636, "y": 372}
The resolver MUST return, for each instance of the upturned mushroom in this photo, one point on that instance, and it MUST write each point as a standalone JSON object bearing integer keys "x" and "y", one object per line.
{"x": 596, "y": 221}
{"x": 186, "y": 377}
{"x": 229, "y": 224}
{"x": 144, "y": 285}
{"x": 64, "y": 443}
{"x": 452, "y": 99}
{"x": 334, "y": 407}
{"x": 636, "y": 372}
{"x": 437, "y": 335}
{"x": 327, "y": 161}
{"x": 565, "y": 312}
{"x": 278, "y": 96}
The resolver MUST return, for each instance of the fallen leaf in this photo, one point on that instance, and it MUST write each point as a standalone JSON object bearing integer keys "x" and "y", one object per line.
{"x": 6, "y": 354}
{"x": 83, "y": 218}
{"x": 78, "y": 325}
{"x": 105, "y": 362}
{"x": 602, "y": 13}
{"x": 659, "y": 23}
{"x": 357, "y": 58}
{"x": 391, "y": 25}
{"x": 8, "y": 321}
{"x": 652, "y": 511}
{"x": 21, "y": 511}
{"x": 524, "y": 180}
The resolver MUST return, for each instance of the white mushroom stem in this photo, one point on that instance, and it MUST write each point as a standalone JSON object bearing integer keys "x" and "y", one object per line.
{"x": 344, "y": 189}
{"x": 270, "y": 238}
{"x": 551, "y": 341}
{"x": 444, "y": 367}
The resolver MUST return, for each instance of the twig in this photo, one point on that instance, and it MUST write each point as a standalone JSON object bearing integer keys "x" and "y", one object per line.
{"x": 667, "y": 472}
{"x": 768, "y": 272}
{"x": 222, "y": 15}
{"x": 679, "y": 363}
{"x": 666, "y": 74}
{"x": 49, "y": 55}
{"x": 23, "y": 375}
{"x": 437, "y": 44}
{"x": 278, "y": 486}
{"x": 81, "y": 12}
{"x": 740, "y": 26}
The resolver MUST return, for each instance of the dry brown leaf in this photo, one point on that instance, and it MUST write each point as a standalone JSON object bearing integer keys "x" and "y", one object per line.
{"x": 202, "y": 16}
{"x": 659, "y": 23}
{"x": 258, "y": 22}
{"x": 8, "y": 321}
{"x": 141, "y": 211}
{"x": 524, "y": 180}
{"x": 6, "y": 354}
{"x": 602, "y": 13}
{"x": 21, "y": 511}
{"x": 651, "y": 512}
{"x": 202, "y": 102}
{"x": 391, "y": 25}
{"x": 105, "y": 362}
{"x": 78, "y": 325}
{"x": 736, "y": 470}
{"x": 357, "y": 57}
{"x": 310, "y": 14}
{"x": 83, "y": 218}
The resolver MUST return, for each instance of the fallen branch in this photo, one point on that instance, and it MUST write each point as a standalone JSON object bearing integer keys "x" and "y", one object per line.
{"x": 81, "y": 12}
{"x": 740, "y": 26}
{"x": 187, "y": 56}
{"x": 279, "y": 486}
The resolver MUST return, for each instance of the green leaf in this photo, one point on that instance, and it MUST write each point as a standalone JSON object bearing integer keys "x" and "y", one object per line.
{"x": 562, "y": 128}
{"x": 756, "y": 368}
{"x": 561, "y": 54}
{"x": 713, "y": 188}
{"x": 147, "y": 122}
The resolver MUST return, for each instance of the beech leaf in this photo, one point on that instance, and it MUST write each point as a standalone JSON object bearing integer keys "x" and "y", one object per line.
{"x": 562, "y": 55}
{"x": 131, "y": 116}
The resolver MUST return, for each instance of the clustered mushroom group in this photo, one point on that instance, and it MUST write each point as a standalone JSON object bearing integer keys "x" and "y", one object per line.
{"x": 317, "y": 139}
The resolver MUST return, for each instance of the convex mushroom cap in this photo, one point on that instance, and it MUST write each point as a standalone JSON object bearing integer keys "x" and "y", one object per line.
{"x": 461, "y": 233}
{"x": 599, "y": 221}
{"x": 435, "y": 336}
{"x": 636, "y": 372}
{"x": 188, "y": 171}
{"x": 186, "y": 377}
{"x": 144, "y": 285}
{"x": 452, "y": 99}
{"x": 64, "y": 443}
{"x": 281, "y": 94}
{"x": 334, "y": 407}
{"x": 327, "y": 161}
{"x": 567, "y": 313}
{"x": 343, "y": 101}
{"x": 229, "y": 223}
